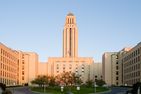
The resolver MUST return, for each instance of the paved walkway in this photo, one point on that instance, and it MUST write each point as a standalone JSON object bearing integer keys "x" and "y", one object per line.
{"x": 26, "y": 90}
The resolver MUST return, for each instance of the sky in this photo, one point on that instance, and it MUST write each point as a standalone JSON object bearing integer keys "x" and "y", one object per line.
{"x": 37, "y": 25}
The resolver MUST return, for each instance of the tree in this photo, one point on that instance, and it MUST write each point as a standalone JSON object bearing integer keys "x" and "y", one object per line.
{"x": 68, "y": 78}
{"x": 52, "y": 81}
{"x": 77, "y": 79}
{"x": 135, "y": 87}
{"x": 40, "y": 80}
{"x": 89, "y": 83}
{"x": 100, "y": 82}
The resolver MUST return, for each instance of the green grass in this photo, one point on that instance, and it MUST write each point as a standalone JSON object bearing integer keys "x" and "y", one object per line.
{"x": 57, "y": 90}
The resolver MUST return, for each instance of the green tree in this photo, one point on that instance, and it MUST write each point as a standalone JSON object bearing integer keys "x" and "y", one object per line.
{"x": 89, "y": 83}
{"x": 100, "y": 82}
{"x": 52, "y": 81}
{"x": 69, "y": 78}
{"x": 77, "y": 79}
{"x": 41, "y": 80}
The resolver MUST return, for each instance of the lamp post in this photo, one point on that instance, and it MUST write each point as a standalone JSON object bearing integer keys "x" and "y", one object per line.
{"x": 13, "y": 87}
{"x": 44, "y": 87}
{"x": 94, "y": 87}
{"x": 138, "y": 92}
{"x": 62, "y": 89}
{"x": 78, "y": 88}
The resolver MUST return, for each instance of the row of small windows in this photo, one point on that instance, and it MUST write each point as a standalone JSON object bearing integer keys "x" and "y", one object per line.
{"x": 97, "y": 77}
{"x": 71, "y": 65}
{"x": 132, "y": 61}
{"x": 132, "y": 55}
{"x": 70, "y": 61}
{"x": 70, "y": 71}
{"x": 8, "y": 55}
{"x": 7, "y": 68}
{"x": 7, "y": 81}
{"x": 132, "y": 75}
{"x": 70, "y": 21}
{"x": 8, "y": 61}
{"x": 69, "y": 68}
{"x": 133, "y": 81}
{"x": 132, "y": 68}
{"x": 6, "y": 74}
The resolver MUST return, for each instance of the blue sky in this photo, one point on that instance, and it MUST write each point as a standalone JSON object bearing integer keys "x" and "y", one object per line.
{"x": 37, "y": 25}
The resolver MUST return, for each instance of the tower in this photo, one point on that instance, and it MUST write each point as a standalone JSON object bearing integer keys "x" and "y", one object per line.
{"x": 70, "y": 37}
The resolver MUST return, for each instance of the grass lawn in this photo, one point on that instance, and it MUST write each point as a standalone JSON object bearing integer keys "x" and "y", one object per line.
{"x": 57, "y": 90}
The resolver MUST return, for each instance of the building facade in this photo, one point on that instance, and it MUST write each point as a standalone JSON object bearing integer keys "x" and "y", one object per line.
{"x": 28, "y": 67}
{"x": 131, "y": 63}
{"x": 71, "y": 62}
{"x": 110, "y": 70}
{"x": 97, "y": 70}
{"x": 123, "y": 67}
{"x": 8, "y": 65}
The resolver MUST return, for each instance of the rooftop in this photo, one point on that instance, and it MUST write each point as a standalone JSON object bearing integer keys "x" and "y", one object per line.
{"x": 70, "y": 14}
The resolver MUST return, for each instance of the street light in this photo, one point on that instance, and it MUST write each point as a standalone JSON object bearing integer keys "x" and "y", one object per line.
{"x": 13, "y": 87}
{"x": 44, "y": 87}
{"x": 94, "y": 87}
{"x": 138, "y": 91}
{"x": 62, "y": 89}
{"x": 78, "y": 88}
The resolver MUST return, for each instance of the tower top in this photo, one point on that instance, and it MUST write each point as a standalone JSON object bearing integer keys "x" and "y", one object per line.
{"x": 70, "y": 37}
{"x": 70, "y": 14}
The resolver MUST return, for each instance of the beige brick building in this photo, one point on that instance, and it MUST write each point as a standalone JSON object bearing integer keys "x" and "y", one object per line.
{"x": 71, "y": 62}
{"x": 131, "y": 63}
{"x": 28, "y": 67}
{"x": 110, "y": 68}
{"x": 97, "y": 70}
{"x": 8, "y": 65}
{"x": 123, "y": 67}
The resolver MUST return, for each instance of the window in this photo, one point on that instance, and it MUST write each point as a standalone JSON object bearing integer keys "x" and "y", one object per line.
{"x": 116, "y": 78}
{"x": 117, "y": 73}
{"x": 22, "y": 67}
{"x": 23, "y": 56}
{"x": 70, "y": 66}
{"x": 22, "y": 61}
{"x": 57, "y": 67}
{"x": 117, "y": 67}
{"x": 22, "y": 77}
{"x": 117, "y": 62}
{"x": 1, "y": 51}
{"x": 117, "y": 83}
{"x": 101, "y": 77}
{"x": 22, "y": 72}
